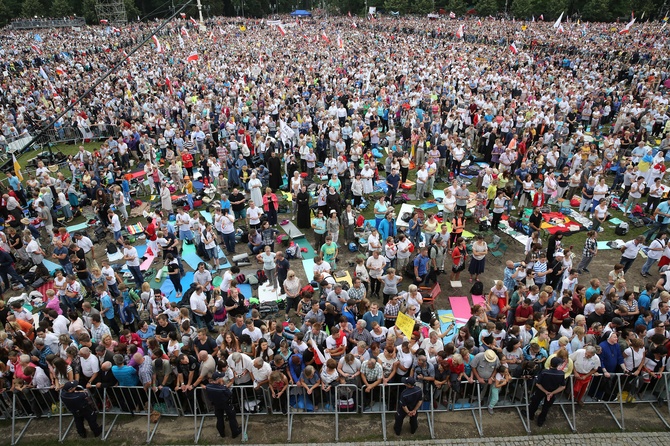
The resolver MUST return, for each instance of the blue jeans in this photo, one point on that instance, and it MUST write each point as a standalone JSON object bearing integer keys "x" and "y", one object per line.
{"x": 137, "y": 275}
{"x": 656, "y": 227}
{"x": 114, "y": 290}
{"x": 647, "y": 265}
{"x": 229, "y": 241}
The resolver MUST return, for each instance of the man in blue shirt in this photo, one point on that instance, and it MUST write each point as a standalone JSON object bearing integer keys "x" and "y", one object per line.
{"x": 124, "y": 374}
{"x": 15, "y": 184}
{"x": 661, "y": 221}
{"x": 225, "y": 202}
{"x": 421, "y": 266}
{"x": 392, "y": 181}
{"x": 387, "y": 228}
{"x": 520, "y": 175}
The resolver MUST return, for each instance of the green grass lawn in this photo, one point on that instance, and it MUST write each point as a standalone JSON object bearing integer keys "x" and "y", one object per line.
{"x": 577, "y": 240}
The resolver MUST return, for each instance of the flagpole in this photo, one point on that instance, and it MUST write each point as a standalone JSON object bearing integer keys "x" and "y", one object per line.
{"x": 100, "y": 80}
{"x": 199, "y": 10}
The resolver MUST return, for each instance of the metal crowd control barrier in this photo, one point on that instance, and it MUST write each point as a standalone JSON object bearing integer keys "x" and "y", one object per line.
{"x": 29, "y": 404}
{"x": 391, "y": 396}
{"x": 468, "y": 398}
{"x": 344, "y": 399}
{"x": 347, "y": 401}
{"x": 244, "y": 408}
{"x": 301, "y": 402}
{"x": 651, "y": 391}
{"x": 515, "y": 395}
{"x": 126, "y": 401}
{"x": 606, "y": 391}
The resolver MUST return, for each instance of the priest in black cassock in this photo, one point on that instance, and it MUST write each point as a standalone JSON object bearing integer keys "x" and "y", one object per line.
{"x": 274, "y": 166}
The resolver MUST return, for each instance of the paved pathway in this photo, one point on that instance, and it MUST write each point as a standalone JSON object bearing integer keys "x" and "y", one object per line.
{"x": 609, "y": 439}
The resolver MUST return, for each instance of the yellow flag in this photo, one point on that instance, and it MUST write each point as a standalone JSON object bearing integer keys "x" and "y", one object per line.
{"x": 405, "y": 324}
{"x": 17, "y": 168}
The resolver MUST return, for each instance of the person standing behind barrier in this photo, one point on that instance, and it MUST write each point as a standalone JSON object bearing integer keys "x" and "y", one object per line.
{"x": 483, "y": 367}
{"x": 550, "y": 383}
{"x": 411, "y": 399}
{"x": 76, "y": 399}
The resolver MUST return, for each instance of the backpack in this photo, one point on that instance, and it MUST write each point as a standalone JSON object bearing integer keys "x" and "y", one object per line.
{"x": 260, "y": 274}
{"x": 240, "y": 278}
{"x": 307, "y": 290}
{"x": 477, "y": 288}
{"x": 111, "y": 248}
{"x": 201, "y": 252}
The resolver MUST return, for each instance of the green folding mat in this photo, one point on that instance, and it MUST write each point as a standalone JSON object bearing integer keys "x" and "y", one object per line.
{"x": 304, "y": 243}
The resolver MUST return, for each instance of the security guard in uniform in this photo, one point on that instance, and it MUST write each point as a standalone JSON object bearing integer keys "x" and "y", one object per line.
{"x": 221, "y": 398}
{"x": 410, "y": 401}
{"x": 550, "y": 382}
{"x": 75, "y": 398}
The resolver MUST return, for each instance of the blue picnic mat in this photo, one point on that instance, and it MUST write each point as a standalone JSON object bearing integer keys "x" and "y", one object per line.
{"x": 75, "y": 228}
{"x": 308, "y": 265}
{"x": 168, "y": 288}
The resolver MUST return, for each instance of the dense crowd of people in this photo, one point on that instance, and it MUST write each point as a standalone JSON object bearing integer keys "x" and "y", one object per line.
{"x": 340, "y": 116}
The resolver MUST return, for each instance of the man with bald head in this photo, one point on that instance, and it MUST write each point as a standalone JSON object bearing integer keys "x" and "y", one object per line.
{"x": 89, "y": 366}
{"x": 104, "y": 378}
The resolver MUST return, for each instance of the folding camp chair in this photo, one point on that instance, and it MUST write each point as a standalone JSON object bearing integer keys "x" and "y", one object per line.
{"x": 500, "y": 252}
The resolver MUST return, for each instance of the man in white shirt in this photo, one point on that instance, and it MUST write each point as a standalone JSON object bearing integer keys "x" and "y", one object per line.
{"x": 254, "y": 333}
{"x": 86, "y": 244}
{"x": 629, "y": 252}
{"x": 421, "y": 179}
{"x": 254, "y": 215}
{"x": 320, "y": 266}
{"x": 198, "y": 303}
{"x": 183, "y": 221}
{"x": 432, "y": 345}
{"x": 89, "y": 366}
{"x": 261, "y": 371}
{"x": 133, "y": 263}
{"x": 585, "y": 363}
{"x": 59, "y": 322}
{"x": 115, "y": 225}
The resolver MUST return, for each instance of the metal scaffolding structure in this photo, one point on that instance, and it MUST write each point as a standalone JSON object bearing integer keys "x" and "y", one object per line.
{"x": 114, "y": 11}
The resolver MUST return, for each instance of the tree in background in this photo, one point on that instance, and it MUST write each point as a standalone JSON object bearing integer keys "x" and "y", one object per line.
{"x": 132, "y": 11}
{"x": 32, "y": 8}
{"x": 401, "y": 6}
{"x": 486, "y": 7}
{"x": 61, "y": 8}
{"x": 5, "y": 13}
{"x": 524, "y": 8}
{"x": 459, "y": 7}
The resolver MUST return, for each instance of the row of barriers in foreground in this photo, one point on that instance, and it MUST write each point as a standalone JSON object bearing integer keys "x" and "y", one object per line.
{"x": 22, "y": 408}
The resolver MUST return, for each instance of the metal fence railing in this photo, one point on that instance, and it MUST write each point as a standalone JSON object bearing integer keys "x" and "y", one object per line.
{"x": 340, "y": 401}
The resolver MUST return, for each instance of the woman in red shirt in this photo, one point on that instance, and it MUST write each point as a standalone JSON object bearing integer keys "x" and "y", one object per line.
{"x": 270, "y": 206}
{"x": 458, "y": 256}
{"x": 187, "y": 162}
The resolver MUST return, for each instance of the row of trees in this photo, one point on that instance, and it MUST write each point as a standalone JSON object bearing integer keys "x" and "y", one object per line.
{"x": 591, "y": 10}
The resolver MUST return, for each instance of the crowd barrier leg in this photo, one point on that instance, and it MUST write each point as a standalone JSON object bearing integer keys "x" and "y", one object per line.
{"x": 477, "y": 412}
{"x": 383, "y": 394}
{"x": 106, "y": 430}
{"x": 61, "y": 434}
{"x": 352, "y": 393}
{"x": 17, "y": 437}
{"x": 572, "y": 421}
{"x": 151, "y": 432}
{"x": 600, "y": 392}
{"x": 244, "y": 416}
{"x": 524, "y": 416}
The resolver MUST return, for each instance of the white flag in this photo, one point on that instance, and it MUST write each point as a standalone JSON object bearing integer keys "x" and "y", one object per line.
{"x": 558, "y": 21}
